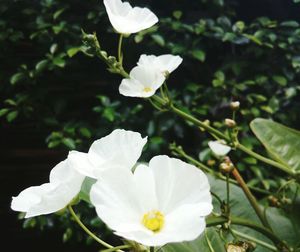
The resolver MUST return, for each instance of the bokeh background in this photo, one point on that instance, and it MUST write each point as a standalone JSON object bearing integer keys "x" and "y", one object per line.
{"x": 54, "y": 98}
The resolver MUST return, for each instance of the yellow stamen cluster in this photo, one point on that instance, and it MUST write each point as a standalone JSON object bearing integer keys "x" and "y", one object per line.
{"x": 147, "y": 89}
{"x": 153, "y": 220}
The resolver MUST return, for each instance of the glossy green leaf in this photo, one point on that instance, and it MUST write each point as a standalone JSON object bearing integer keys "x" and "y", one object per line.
{"x": 281, "y": 142}
{"x": 200, "y": 244}
{"x": 16, "y": 78}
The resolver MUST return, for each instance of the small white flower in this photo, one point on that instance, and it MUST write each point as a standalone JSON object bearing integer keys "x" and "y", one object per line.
{"x": 165, "y": 64}
{"x": 143, "y": 82}
{"x": 120, "y": 148}
{"x": 127, "y": 19}
{"x": 164, "y": 202}
{"x": 65, "y": 183}
{"x": 219, "y": 148}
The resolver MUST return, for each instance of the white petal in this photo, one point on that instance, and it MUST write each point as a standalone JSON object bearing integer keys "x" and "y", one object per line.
{"x": 81, "y": 163}
{"x": 169, "y": 62}
{"x": 163, "y": 63}
{"x": 115, "y": 199}
{"x": 145, "y": 184}
{"x": 121, "y": 148}
{"x": 186, "y": 183}
{"x": 65, "y": 184}
{"x": 134, "y": 88}
{"x": 219, "y": 148}
{"x": 127, "y": 20}
{"x": 143, "y": 82}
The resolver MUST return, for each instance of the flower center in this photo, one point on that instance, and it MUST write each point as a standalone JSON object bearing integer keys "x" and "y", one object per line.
{"x": 147, "y": 89}
{"x": 153, "y": 220}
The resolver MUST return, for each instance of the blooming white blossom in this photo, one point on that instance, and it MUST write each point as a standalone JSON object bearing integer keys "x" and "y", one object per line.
{"x": 164, "y": 202}
{"x": 65, "y": 183}
{"x": 219, "y": 148}
{"x": 165, "y": 64}
{"x": 120, "y": 148}
{"x": 127, "y": 19}
{"x": 143, "y": 81}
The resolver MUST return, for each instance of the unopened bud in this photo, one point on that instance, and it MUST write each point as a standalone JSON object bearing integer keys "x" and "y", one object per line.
{"x": 286, "y": 201}
{"x": 235, "y": 105}
{"x": 241, "y": 246}
{"x": 226, "y": 167}
{"x": 273, "y": 201}
{"x": 230, "y": 123}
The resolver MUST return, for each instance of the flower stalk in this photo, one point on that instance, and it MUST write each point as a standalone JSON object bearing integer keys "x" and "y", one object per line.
{"x": 90, "y": 233}
{"x": 250, "y": 197}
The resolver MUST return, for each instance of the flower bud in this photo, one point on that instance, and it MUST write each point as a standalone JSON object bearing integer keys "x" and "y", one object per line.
{"x": 241, "y": 246}
{"x": 235, "y": 105}
{"x": 230, "y": 123}
{"x": 226, "y": 167}
{"x": 273, "y": 201}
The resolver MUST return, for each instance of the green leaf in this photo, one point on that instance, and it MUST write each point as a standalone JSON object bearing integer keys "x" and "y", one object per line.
{"x": 41, "y": 65}
{"x": 84, "y": 193}
{"x": 73, "y": 51}
{"x": 280, "y": 80}
{"x": 3, "y": 111}
{"x": 199, "y": 55}
{"x": 281, "y": 142}
{"x": 158, "y": 39}
{"x": 17, "y": 78}
{"x": 177, "y": 14}
{"x": 85, "y": 132}
{"x": 12, "y": 116}
{"x": 109, "y": 114}
{"x": 200, "y": 244}
{"x": 292, "y": 23}
{"x": 58, "y": 13}
{"x": 60, "y": 62}
{"x": 69, "y": 142}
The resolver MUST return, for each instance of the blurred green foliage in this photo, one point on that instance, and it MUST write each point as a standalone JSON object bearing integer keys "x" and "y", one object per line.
{"x": 47, "y": 81}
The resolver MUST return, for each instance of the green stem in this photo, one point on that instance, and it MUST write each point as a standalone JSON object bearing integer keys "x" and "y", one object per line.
{"x": 228, "y": 194}
{"x": 120, "y": 55}
{"x": 199, "y": 123}
{"x": 214, "y": 221}
{"x": 116, "y": 248}
{"x": 250, "y": 238}
{"x": 265, "y": 160}
{"x": 97, "y": 239}
{"x": 208, "y": 243}
{"x": 250, "y": 197}
{"x": 151, "y": 249}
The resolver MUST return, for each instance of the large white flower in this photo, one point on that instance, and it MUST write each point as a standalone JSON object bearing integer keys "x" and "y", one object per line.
{"x": 65, "y": 183}
{"x": 219, "y": 148}
{"x": 120, "y": 148}
{"x": 165, "y": 64}
{"x": 164, "y": 202}
{"x": 127, "y": 19}
{"x": 143, "y": 81}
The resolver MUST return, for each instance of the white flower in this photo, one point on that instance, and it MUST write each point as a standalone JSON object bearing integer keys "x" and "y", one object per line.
{"x": 127, "y": 19}
{"x": 65, "y": 183}
{"x": 120, "y": 148}
{"x": 219, "y": 148}
{"x": 164, "y": 202}
{"x": 165, "y": 64}
{"x": 143, "y": 82}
